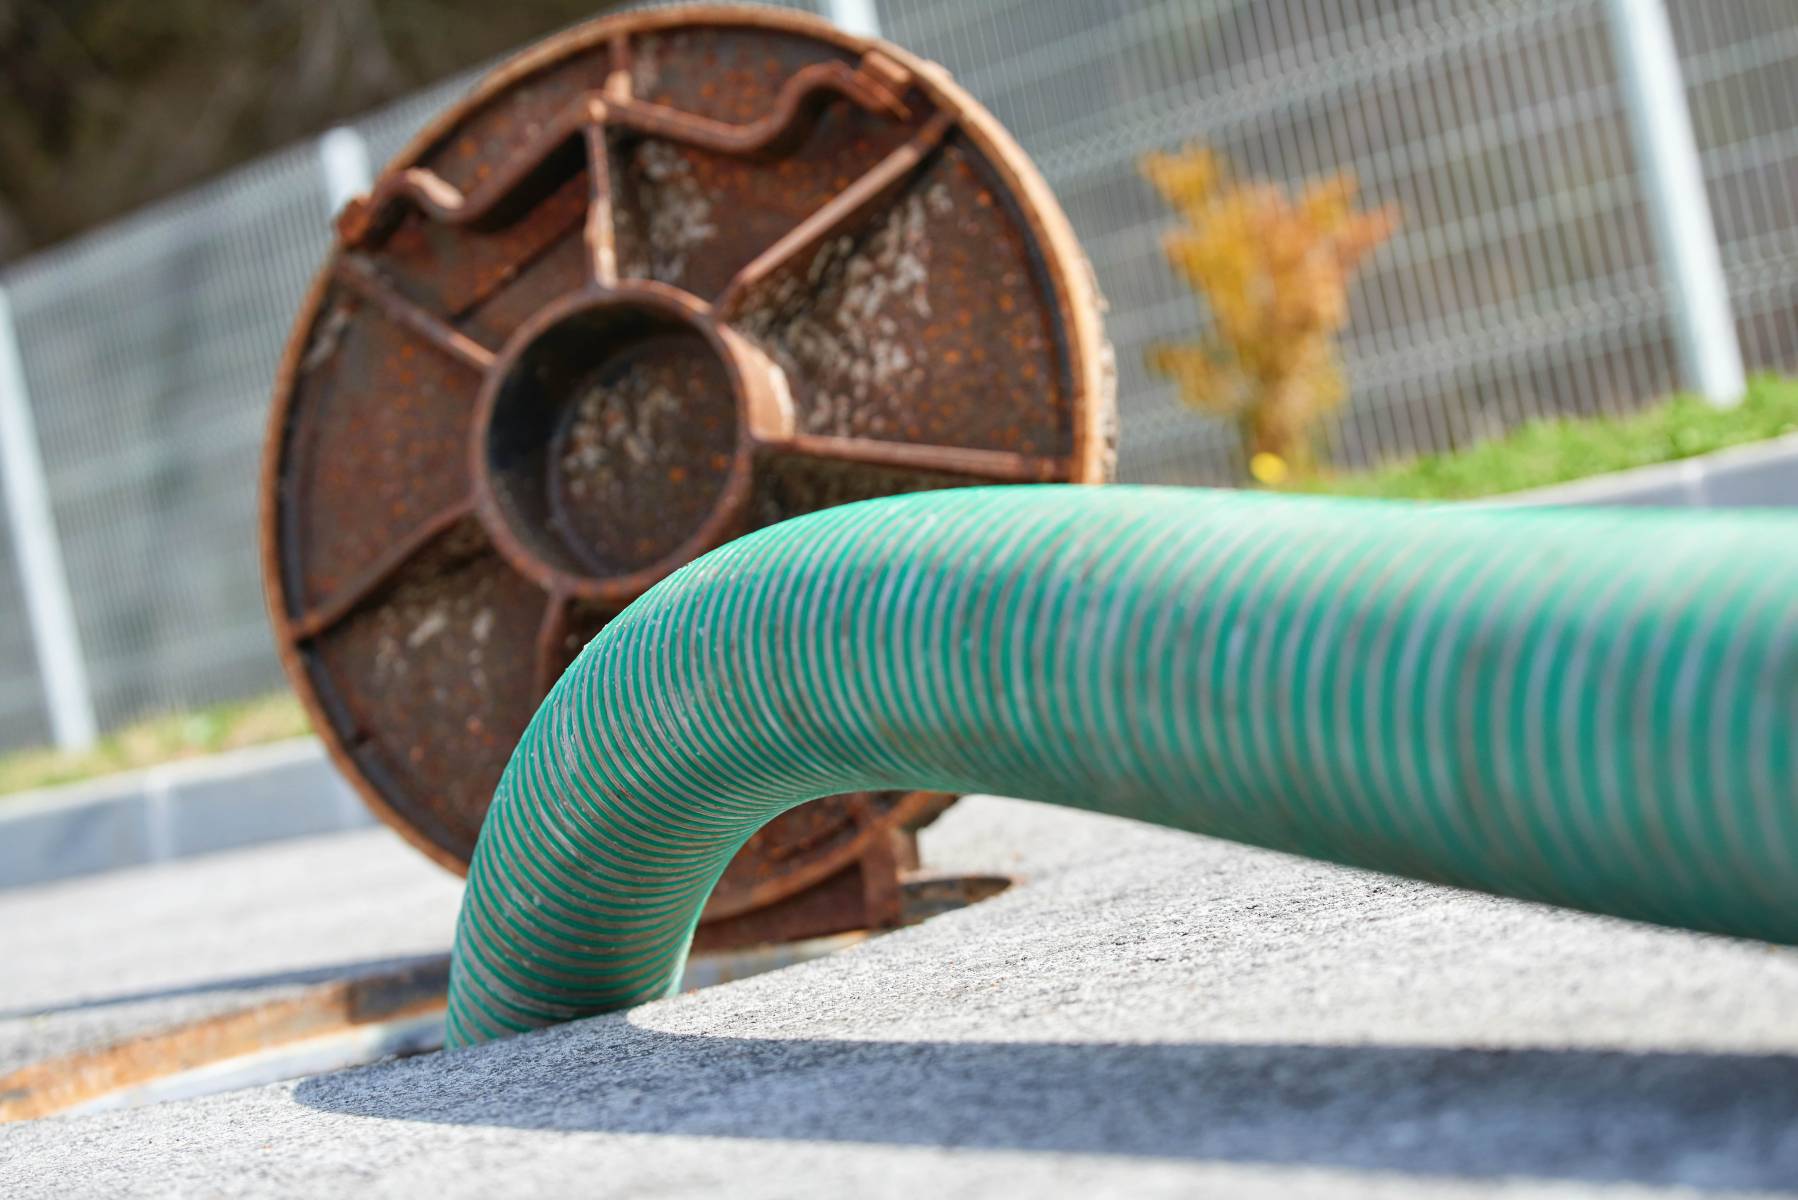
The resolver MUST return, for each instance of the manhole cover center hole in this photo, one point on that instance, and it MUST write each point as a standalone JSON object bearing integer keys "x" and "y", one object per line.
{"x": 611, "y": 439}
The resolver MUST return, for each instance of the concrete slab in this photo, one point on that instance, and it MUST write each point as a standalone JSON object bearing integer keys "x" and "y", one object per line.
{"x": 1758, "y": 475}
{"x": 84, "y": 963}
{"x": 1147, "y": 1014}
{"x": 56, "y": 835}
{"x": 180, "y": 810}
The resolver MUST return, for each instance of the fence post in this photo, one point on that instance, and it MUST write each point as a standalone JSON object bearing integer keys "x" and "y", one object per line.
{"x": 854, "y": 16}
{"x": 48, "y": 606}
{"x": 1655, "y": 98}
{"x": 343, "y": 161}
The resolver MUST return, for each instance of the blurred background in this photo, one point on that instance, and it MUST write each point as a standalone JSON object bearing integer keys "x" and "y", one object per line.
{"x": 1483, "y": 172}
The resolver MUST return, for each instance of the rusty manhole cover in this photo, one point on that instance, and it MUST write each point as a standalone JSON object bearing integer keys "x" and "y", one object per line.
{"x": 660, "y": 280}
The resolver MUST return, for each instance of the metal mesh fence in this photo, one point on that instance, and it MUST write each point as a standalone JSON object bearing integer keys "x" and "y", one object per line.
{"x": 1738, "y": 63}
{"x": 23, "y": 718}
{"x": 148, "y": 350}
{"x": 1523, "y": 280}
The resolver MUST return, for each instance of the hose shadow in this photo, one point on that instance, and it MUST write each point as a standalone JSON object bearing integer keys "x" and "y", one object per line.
{"x": 1692, "y": 1119}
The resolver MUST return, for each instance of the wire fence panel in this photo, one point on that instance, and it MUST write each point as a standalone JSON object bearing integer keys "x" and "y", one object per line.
{"x": 148, "y": 352}
{"x": 1738, "y": 62}
{"x": 24, "y": 715}
{"x": 1522, "y": 281}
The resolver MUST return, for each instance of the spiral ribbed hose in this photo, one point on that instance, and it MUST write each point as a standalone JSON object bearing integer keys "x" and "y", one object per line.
{"x": 1593, "y": 708}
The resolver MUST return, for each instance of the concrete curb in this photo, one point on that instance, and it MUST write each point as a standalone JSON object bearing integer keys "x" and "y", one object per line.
{"x": 200, "y": 806}
{"x": 1759, "y": 475}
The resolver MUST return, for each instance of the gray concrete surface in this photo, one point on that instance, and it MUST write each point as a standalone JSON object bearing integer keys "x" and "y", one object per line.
{"x": 181, "y": 810}
{"x": 86, "y": 962}
{"x": 1761, "y": 475}
{"x": 1147, "y": 1014}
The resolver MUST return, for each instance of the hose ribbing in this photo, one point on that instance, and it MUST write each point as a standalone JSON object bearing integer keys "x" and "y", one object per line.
{"x": 1593, "y": 708}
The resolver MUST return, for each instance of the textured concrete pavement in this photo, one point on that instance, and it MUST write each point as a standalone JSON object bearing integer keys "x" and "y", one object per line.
{"x": 1148, "y": 1013}
{"x": 86, "y": 962}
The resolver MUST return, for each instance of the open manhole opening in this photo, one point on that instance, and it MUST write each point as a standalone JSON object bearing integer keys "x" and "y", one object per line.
{"x": 355, "y": 1022}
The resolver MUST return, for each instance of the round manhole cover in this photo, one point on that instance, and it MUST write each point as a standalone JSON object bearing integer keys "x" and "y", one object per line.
{"x": 660, "y": 280}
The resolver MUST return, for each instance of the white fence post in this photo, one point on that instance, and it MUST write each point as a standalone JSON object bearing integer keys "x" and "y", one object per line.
{"x": 854, "y": 16}
{"x": 48, "y": 606}
{"x": 343, "y": 159}
{"x": 1655, "y": 97}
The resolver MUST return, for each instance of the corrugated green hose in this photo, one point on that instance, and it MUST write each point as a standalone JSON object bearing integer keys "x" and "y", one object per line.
{"x": 1593, "y": 708}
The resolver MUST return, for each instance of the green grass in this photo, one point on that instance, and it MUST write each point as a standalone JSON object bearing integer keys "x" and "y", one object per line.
{"x": 160, "y": 740}
{"x": 1547, "y": 452}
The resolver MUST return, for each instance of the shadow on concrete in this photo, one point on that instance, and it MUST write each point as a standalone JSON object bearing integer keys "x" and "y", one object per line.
{"x": 242, "y": 983}
{"x": 1694, "y": 1119}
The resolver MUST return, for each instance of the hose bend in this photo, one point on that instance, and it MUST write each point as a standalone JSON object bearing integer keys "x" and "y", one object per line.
{"x": 1592, "y": 708}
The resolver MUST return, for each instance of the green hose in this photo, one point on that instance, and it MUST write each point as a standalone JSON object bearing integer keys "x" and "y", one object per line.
{"x": 1592, "y": 708}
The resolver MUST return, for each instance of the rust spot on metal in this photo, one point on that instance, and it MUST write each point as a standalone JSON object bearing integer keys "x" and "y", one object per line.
{"x": 666, "y": 278}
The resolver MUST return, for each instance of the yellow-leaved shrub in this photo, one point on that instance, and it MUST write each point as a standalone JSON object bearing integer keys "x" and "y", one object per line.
{"x": 1273, "y": 270}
